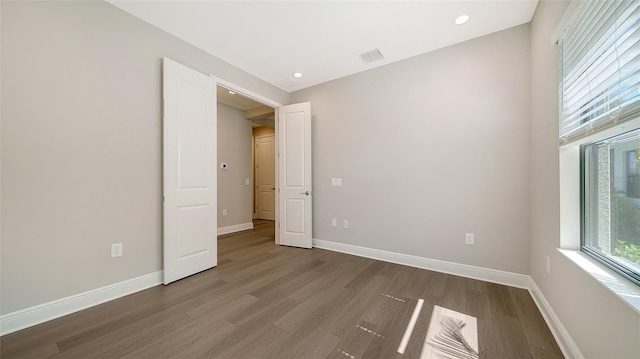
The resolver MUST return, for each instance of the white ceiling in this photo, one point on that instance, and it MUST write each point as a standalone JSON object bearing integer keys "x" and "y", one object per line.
{"x": 236, "y": 101}
{"x": 323, "y": 39}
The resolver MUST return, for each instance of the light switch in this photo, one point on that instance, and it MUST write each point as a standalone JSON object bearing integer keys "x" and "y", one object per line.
{"x": 336, "y": 182}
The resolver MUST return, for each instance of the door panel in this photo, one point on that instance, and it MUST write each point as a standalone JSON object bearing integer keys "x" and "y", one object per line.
{"x": 294, "y": 169}
{"x": 190, "y": 183}
{"x": 265, "y": 177}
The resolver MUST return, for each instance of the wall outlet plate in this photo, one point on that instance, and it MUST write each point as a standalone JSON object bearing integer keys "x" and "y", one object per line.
{"x": 469, "y": 238}
{"x": 547, "y": 264}
{"x": 116, "y": 250}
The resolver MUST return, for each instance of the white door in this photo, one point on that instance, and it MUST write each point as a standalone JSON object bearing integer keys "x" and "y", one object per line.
{"x": 190, "y": 182}
{"x": 265, "y": 177}
{"x": 294, "y": 175}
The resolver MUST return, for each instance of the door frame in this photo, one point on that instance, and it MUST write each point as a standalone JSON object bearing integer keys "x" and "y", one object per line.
{"x": 275, "y": 105}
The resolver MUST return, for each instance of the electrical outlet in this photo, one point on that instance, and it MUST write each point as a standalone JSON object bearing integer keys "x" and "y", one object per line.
{"x": 246, "y": 182}
{"x": 116, "y": 250}
{"x": 547, "y": 264}
{"x": 224, "y": 212}
{"x": 334, "y": 222}
{"x": 469, "y": 238}
{"x": 345, "y": 223}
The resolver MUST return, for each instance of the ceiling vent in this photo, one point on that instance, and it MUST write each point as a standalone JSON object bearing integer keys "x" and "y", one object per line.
{"x": 287, "y": 84}
{"x": 371, "y": 56}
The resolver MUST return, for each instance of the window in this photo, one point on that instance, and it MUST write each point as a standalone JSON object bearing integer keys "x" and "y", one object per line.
{"x": 611, "y": 205}
{"x": 599, "y": 92}
{"x": 599, "y": 67}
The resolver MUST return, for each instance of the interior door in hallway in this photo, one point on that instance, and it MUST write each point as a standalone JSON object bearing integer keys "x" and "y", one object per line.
{"x": 265, "y": 177}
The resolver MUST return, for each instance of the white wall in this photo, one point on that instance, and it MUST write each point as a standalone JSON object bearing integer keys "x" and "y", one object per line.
{"x": 234, "y": 148}
{"x": 601, "y": 325}
{"x": 82, "y": 145}
{"x": 429, "y": 148}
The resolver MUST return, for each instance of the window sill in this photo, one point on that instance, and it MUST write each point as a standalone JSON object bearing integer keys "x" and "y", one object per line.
{"x": 618, "y": 285}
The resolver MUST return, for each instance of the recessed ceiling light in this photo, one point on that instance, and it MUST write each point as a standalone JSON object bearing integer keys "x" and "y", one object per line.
{"x": 297, "y": 74}
{"x": 231, "y": 92}
{"x": 462, "y": 19}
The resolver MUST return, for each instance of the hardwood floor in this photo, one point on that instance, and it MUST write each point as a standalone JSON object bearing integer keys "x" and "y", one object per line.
{"x": 268, "y": 301}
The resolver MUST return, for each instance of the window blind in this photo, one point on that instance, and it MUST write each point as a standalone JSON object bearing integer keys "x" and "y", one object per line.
{"x": 599, "y": 68}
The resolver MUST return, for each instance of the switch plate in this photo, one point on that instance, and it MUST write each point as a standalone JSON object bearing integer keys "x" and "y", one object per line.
{"x": 336, "y": 182}
{"x": 116, "y": 250}
{"x": 246, "y": 182}
{"x": 224, "y": 212}
{"x": 469, "y": 238}
{"x": 345, "y": 223}
{"x": 334, "y": 222}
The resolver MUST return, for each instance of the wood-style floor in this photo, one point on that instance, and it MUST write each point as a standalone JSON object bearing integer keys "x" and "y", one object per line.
{"x": 268, "y": 301}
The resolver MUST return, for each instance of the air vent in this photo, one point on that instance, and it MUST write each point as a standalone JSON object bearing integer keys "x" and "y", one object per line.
{"x": 287, "y": 84}
{"x": 371, "y": 56}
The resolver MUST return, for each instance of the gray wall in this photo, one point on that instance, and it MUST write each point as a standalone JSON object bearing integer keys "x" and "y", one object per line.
{"x": 234, "y": 148}
{"x": 429, "y": 148}
{"x": 82, "y": 145}
{"x": 601, "y": 324}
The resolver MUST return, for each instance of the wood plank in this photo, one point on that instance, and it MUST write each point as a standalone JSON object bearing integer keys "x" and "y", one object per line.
{"x": 500, "y": 300}
{"x": 477, "y": 305}
{"x": 535, "y": 328}
{"x": 510, "y": 340}
{"x": 455, "y": 294}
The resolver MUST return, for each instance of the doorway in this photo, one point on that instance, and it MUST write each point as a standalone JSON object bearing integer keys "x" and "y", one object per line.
{"x": 246, "y": 161}
{"x": 192, "y": 168}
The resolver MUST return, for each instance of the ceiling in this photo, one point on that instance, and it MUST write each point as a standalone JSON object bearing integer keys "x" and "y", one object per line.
{"x": 259, "y": 114}
{"x": 323, "y": 39}
{"x": 236, "y": 101}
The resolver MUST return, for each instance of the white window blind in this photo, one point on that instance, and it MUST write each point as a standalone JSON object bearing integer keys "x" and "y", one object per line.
{"x": 599, "y": 67}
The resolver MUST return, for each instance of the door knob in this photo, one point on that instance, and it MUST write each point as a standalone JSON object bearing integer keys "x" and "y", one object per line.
{"x": 307, "y": 193}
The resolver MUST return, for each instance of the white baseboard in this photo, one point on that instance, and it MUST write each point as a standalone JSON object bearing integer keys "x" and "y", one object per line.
{"x": 235, "y": 228}
{"x": 463, "y": 270}
{"x": 564, "y": 340}
{"x": 560, "y": 333}
{"x": 28, "y": 317}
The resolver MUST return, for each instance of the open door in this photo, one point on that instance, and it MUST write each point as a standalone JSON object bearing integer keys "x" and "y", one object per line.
{"x": 190, "y": 182}
{"x": 294, "y": 175}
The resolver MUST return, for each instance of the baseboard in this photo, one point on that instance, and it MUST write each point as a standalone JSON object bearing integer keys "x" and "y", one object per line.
{"x": 235, "y": 228}
{"x": 28, "y": 317}
{"x": 560, "y": 333}
{"x": 463, "y": 270}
